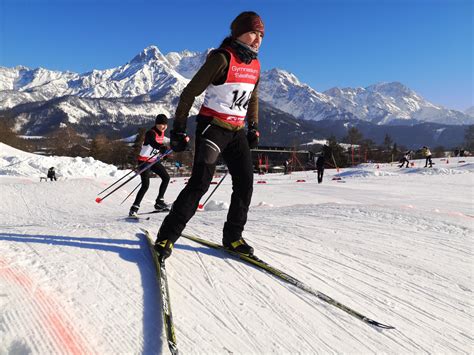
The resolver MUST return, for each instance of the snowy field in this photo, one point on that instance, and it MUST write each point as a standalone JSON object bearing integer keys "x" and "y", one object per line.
{"x": 394, "y": 244}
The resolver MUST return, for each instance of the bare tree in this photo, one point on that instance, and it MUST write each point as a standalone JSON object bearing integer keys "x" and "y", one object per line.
{"x": 354, "y": 136}
{"x": 469, "y": 138}
{"x": 100, "y": 148}
{"x": 63, "y": 140}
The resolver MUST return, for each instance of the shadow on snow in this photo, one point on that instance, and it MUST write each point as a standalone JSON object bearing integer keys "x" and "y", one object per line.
{"x": 152, "y": 317}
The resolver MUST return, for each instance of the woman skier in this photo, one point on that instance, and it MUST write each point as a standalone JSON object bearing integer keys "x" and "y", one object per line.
{"x": 230, "y": 77}
{"x": 152, "y": 144}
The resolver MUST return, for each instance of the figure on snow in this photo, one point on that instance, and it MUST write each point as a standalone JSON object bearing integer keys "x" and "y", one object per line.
{"x": 230, "y": 77}
{"x": 152, "y": 144}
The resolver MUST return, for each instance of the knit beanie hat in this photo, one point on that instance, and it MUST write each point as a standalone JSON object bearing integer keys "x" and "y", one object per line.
{"x": 161, "y": 119}
{"x": 246, "y": 22}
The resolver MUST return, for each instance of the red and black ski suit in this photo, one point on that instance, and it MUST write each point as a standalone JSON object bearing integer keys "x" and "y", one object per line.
{"x": 152, "y": 144}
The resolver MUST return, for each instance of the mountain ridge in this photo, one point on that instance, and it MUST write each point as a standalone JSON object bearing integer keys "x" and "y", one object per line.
{"x": 152, "y": 74}
{"x": 122, "y": 98}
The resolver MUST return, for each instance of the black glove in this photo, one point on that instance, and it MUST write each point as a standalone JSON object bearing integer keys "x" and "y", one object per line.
{"x": 252, "y": 136}
{"x": 163, "y": 149}
{"x": 178, "y": 140}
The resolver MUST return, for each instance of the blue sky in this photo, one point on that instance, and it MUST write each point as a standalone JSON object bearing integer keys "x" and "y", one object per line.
{"x": 425, "y": 44}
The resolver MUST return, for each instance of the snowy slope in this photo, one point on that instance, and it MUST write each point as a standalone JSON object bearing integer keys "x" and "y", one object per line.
{"x": 394, "y": 244}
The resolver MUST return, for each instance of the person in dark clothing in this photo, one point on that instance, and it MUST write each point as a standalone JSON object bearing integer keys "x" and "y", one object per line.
{"x": 320, "y": 168}
{"x": 230, "y": 77}
{"x": 152, "y": 144}
{"x": 405, "y": 159}
{"x": 52, "y": 174}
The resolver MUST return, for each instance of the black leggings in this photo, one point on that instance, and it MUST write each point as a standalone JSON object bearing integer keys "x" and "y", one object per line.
{"x": 159, "y": 170}
{"x": 320, "y": 175}
{"x": 211, "y": 141}
{"x": 428, "y": 160}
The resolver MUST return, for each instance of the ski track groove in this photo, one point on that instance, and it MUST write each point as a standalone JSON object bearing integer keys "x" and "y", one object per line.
{"x": 27, "y": 316}
{"x": 213, "y": 285}
{"x": 59, "y": 327}
{"x": 333, "y": 315}
{"x": 210, "y": 282}
{"x": 413, "y": 286}
{"x": 111, "y": 286}
{"x": 241, "y": 269}
{"x": 330, "y": 313}
{"x": 289, "y": 320}
{"x": 408, "y": 285}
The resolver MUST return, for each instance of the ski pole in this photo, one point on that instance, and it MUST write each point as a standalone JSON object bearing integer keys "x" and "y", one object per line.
{"x": 139, "y": 184}
{"x": 123, "y": 177}
{"x": 200, "y": 207}
{"x": 334, "y": 160}
{"x": 100, "y": 199}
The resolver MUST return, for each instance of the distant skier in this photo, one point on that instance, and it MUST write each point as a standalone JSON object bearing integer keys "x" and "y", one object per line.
{"x": 405, "y": 159}
{"x": 52, "y": 174}
{"x": 320, "y": 167}
{"x": 230, "y": 76}
{"x": 287, "y": 165}
{"x": 152, "y": 144}
{"x": 427, "y": 154}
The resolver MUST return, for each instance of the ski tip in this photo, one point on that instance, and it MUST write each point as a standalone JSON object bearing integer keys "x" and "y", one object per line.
{"x": 200, "y": 208}
{"x": 379, "y": 325}
{"x": 98, "y": 200}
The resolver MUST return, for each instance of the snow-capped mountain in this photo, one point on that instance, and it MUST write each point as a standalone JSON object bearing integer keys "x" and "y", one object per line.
{"x": 284, "y": 91}
{"x": 187, "y": 63}
{"x": 40, "y": 99}
{"x": 148, "y": 74}
{"x": 89, "y": 115}
{"x": 470, "y": 111}
{"x": 152, "y": 82}
{"x": 381, "y": 103}
{"x": 386, "y": 102}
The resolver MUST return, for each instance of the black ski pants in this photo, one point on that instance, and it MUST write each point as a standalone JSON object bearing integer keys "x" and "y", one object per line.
{"x": 212, "y": 140}
{"x": 428, "y": 161}
{"x": 320, "y": 175}
{"x": 403, "y": 161}
{"x": 159, "y": 170}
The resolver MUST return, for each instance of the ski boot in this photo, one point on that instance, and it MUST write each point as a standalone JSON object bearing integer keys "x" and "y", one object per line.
{"x": 133, "y": 211}
{"x": 164, "y": 248}
{"x": 160, "y": 205}
{"x": 239, "y": 246}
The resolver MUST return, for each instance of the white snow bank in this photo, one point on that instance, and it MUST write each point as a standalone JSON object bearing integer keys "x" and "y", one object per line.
{"x": 358, "y": 173}
{"x": 14, "y": 162}
{"x": 213, "y": 205}
{"x": 440, "y": 167}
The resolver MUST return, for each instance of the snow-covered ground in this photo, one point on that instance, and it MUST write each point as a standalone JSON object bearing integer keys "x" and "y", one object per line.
{"x": 394, "y": 244}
